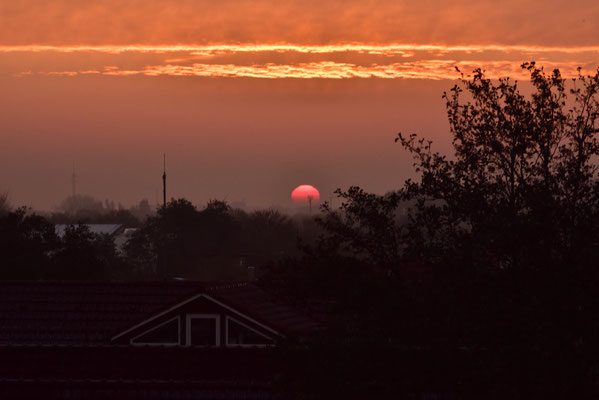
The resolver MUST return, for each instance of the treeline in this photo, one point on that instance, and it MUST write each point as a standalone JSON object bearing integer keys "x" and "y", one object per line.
{"x": 500, "y": 246}
{"x": 179, "y": 241}
{"x": 488, "y": 283}
{"x": 87, "y": 209}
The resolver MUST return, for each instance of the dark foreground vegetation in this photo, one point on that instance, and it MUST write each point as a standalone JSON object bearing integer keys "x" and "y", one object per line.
{"x": 481, "y": 277}
{"x": 177, "y": 241}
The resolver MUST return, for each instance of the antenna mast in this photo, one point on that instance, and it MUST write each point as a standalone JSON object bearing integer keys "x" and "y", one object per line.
{"x": 164, "y": 182}
{"x": 73, "y": 181}
{"x": 162, "y": 256}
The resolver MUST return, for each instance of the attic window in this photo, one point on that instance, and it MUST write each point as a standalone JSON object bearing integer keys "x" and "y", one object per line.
{"x": 166, "y": 333}
{"x": 240, "y": 334}
{"x": 203, "y": 330}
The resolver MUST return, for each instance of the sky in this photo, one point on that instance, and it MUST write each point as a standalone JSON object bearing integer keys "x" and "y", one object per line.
{"x": 249, "y": 99}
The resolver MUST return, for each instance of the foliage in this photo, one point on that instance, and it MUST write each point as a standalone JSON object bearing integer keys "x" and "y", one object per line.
{"x": 4, "y": 204}
{"x": 364, "y": 227}
{"x": 499, "y": 242}
{"x": 521, "y": 190}
{"x": 26, "y": 244}
{"x": 83, "y": 255}
{"x": 213, "y": 243}
{"x": 268, "y": 235}
{"x": 86, "y": 209}
{"x": 76, "y": 203}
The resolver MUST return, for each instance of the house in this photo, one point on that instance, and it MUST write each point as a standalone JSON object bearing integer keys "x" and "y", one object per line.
{"x": 117, "y": 232}
{"x": 99, "y": 229}
{"x": 142, "y": 339}
{"x": 169, "y": 313}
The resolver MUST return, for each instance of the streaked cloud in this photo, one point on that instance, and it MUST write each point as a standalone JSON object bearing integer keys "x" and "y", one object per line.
{"x": 277, "y": 61}
{"x": 220, "y": 49}
{"x": 334, "y": 39}
{"x": 429, "y": 69}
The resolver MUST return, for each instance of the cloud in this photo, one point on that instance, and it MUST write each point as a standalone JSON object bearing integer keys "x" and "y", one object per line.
{"x": 391, "y": 49}
{"x": 99, "y": 22}
{"x": 272, "y": 61}
{"x": 425, "y": 69}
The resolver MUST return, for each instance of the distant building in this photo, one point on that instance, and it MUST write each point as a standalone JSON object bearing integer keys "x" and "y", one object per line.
{"x": 99, "y": 229}
{"x": 117, "y": 232}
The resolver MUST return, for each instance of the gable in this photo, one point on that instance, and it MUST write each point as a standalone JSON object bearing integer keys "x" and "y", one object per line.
{"x": 165, "y": 333}
{"x": 199, "y": 321}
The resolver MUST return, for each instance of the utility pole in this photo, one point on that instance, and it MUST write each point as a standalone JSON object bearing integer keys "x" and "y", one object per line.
{"x": 310, "y": 203}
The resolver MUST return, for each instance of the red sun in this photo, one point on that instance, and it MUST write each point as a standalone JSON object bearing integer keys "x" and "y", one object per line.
{"x": 303, "y": 194}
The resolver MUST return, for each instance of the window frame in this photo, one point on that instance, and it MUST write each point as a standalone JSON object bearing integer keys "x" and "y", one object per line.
{"x": 178, "y": 343}
{"x": 189, "y": 317}
{"x": 227, "y": 344}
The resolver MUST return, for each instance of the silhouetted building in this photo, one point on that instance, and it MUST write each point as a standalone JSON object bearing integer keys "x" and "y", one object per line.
{"x": 145, "y": 313}
{"x": 98, "y": 229}
{"x": 142, "y": 340}
{"x": 117, "y": 232}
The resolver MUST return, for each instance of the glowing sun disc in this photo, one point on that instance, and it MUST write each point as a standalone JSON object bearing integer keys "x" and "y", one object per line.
{"x": 304, "y": 193}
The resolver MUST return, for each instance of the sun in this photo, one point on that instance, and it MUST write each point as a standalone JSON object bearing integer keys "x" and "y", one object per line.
{"x": 305, "y": 194}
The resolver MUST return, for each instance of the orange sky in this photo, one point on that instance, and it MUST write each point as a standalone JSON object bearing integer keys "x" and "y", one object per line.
{"x": 221, "y": 87}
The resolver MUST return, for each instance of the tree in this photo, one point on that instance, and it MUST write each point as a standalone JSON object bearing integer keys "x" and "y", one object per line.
{"x": 267, "y": 235}
{"x": 521, "y": 190}
{"x": 4, "y": 204}
{"x": 364, "y": 227}
{"x": 81, "y": 203}
{"x": 510, "y": 223}
{"x": 83, "y": 255}
{"x": 27, "y": 242}
{"x": 184, "y": 239}
{"x": 171, "y": 234}
{"x": 500, "y": 241}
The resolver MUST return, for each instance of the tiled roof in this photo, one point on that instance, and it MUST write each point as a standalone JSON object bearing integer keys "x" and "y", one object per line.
{"x": 252, "y": 301}
{"x": 89, "y": 313}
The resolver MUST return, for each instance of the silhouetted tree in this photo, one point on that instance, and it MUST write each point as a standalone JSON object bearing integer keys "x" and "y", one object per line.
{"x": 521, "y": 190}
{"x": 364, "y": 227}
{"x": 83, "y": 255}
{"x": 86, "y": 209}
{"x": 4, "y": 204}
{"x": 267, "y": 235}
{"x": 516, "y": 207}
{"x": 142, "y": 210}
{"x": 189, "y": 239}
{"x": 502, "y": 236}
{"x": 74, "y": 204}
{"x": 27, "y": 242}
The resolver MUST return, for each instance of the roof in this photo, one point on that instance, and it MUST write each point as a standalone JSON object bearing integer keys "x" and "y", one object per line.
{"x": 100, "y": 229}
{"x": 265, "y": 308}
{"x": 90, "y": 313}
